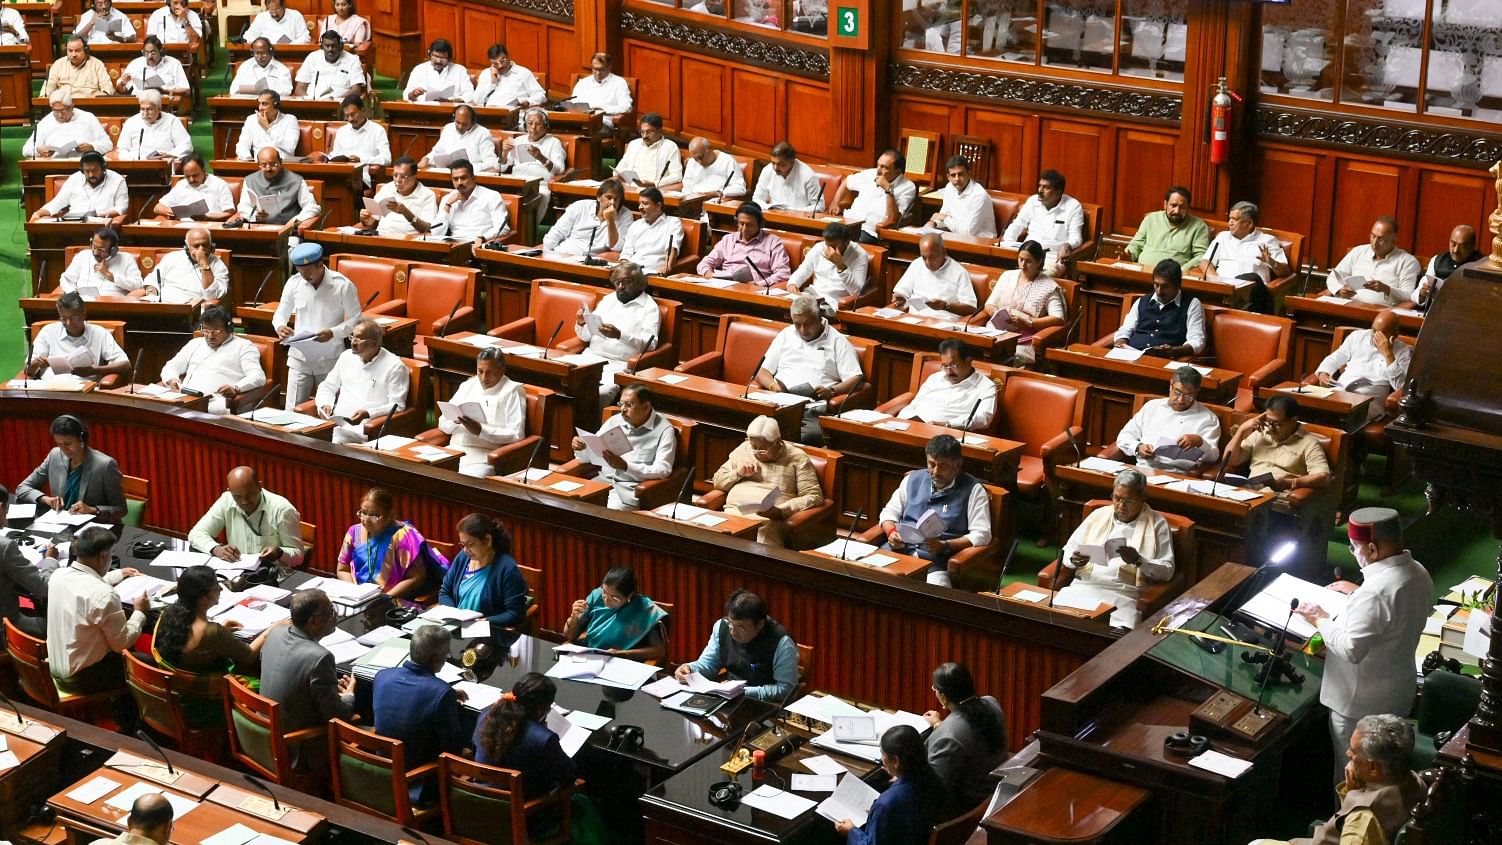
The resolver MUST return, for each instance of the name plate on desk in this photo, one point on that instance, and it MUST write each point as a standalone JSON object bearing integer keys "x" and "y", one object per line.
{"x": 187, "y": 783}
{"x": 263, "y": 807}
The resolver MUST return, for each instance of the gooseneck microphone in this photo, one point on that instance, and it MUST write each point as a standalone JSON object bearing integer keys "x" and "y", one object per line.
{"x": 264, "y": 789}
{"x": 160, "y": 753}
{"x": 850, "y": 535}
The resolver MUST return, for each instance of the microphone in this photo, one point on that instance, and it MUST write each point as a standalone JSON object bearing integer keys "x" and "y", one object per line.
{"x": 34, "y": 127}
{"x": 776, "y": 725}
{"x": 849, "y": 535}
{"x": 1006, "y": 562}
{"x": 651, "y": 344}
{"x": 133, "y": 366}
{"x": 532, "y": 458}
{"x": 26, "y": 365}
{"x": 313, "y": 91}
{"x": 147, "y": 737}
{"x": 373, "y": 295}
{"x": 257, "y": 407}
{"x": 452, "y": 311}
{"x": 1220, "y": 471}
{"x": 140, "y": 139}
{"x": 551, "y": 338}
{"x": 256, "y": 298}
{"x": 589, "y": 259}
{"x": 20, "y": 721}
{"x": 766, "y": 283}
{"x": 688, "y": 480}
{"x": 971, "y": 417}
{"x": 187, "y": 371}
{"x": 1214, "y": 248}
{"x": 408, "y": 151}
{"x": 725, "y": 187}
{"x": 1277, "y": 652}
{"x": 664, "y": 173}
{"x": 1079, "y": 454}
{"x": 381, "y": 432}
{"x": 250, "y": 779}
{"x": 1234, "y": 600}
{"x": 754, "y": 373}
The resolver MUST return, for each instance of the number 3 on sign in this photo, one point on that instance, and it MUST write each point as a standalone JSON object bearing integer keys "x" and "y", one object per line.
{"x": 849, "y": 22}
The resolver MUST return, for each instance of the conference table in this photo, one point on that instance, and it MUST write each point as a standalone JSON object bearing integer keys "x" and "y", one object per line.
{"x": 722, "y": 219}
{"x": 902, "y": 250}
{"x": 400, "y": 332}
{"x": 1105, "y": 286}
{"x": 113, "y": 105}
{"x": 1316, "y": 318}
{"x": 413, "y": 247}
{"x": 902, "y": 337}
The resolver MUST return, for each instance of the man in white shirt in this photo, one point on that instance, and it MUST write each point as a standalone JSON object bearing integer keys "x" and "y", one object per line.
{"x": 506, "y": 85}
{"x": 439, "y": 80}
{"x": 92, "y": 348}
{"x": 653, "y": 447}
{"x": 1371, "y": 361}
{"x": 1376, "y": 633}
{"x": 367, "y": 383}
{"x": 175, "y": 23}
{"x": 86, "y": 628}
{"x": 655, "y": 239}
{"x": 589, "y": 227}
{"x": 326, "y": 304}
{"x": 66, "y": 131}
{"x": 153, "y": 70}
{"x": 967, "y": 207}
{"x": 1189, "y": 424}
{"x": 603, "y": 91}
{"x": 787, "y": 183}
{"x": 1243, "y": 250}
{"x": 935, "y": 285}
{"x": 149, "y": 134}
{"x": 411, "y": 207}
{"x": 269, "y": 126}
{"x": 1144, "y": 554}
{"x": 880, "y": 196}
{"x": 651, "y": 160}
{"x": 94, "y": 191}
{"x": 809, "y": 358}
{"x": 837, "y": 269}
{"x": 361, "y": 141}
{"x": 102, "y": 269}
{"x": 471, "y": 212}
{"x": 709, "y": 171}
{"x": 505, "y": 419}
{"x": 104, "y": 24}
{"x": 1391, "y": 274}
{"x": 192, "y": 274}
{"x": 463, "y": 137}
{"x": 332, "y": 73}
{"x": 197, "y": 185}
{"x": 958, "y": 395}
{"x": 958, "y": 498}
{"x": 535, "y": 154}
{"x": 261, "y": 72}
{"x": 218, "y": 363}
{"x": 626, "y": 324}
{"x": 1461, "y": 253}
{"x": 1052, "y": 218}
{"x": 279, "y": 25}
{"x": 1170, "y": 323}
{"x": 12, "y": 28}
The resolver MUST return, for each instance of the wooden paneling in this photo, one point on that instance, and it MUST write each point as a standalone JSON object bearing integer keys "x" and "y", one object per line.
{"x": 539, "y": 44}
{"x": 1446, "y": 200}
{"x": 1139, "y": 152}
{"x": 1366, "y": 190}
{"x": 1292, "y": 177}
{"x": 707, "y": 102}
{"x": 562, "y": 59}
{"x": 925, "y": 115}
{"x": 655, "y": 70}
{"x": 758, "y": 118}
{"x": 1082, "y": 152}
{"x": 440, "y": 20}
{"x": 810, "y": 119}
{"x": 482, "y": 28}
{"x": 1014, "y": 139}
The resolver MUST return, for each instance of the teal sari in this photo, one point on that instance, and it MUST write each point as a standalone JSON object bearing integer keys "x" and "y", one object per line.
{"x": 621, "y": 628}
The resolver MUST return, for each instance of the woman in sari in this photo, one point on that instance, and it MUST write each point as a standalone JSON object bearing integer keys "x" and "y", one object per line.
{"x": 381, "y": 550}
{"x": 1029, "y": 301}
{"x": 618, "y": 619}
{"x": 354, "y": 29}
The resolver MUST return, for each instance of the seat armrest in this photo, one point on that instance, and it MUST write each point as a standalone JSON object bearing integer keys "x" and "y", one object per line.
{"x": 657, "y": 492}
{"x": 872, "y": 534}
{"x": 389, "y": 308}
{"x": 571, "y": 346}
{"x": 714, "y": 500}
{"x": 861, "y": 397}
{"x": 248, "y": 399}
{"x": 1048, "y": 574}
{"x": 1113, "y": 452}
{"x": 435, "y": 436}
{"x": 896, "y": 403}
{"x": 1106, "y": 342}
{"x": 465, "y": 319}
{"x": 1051, "y": 337}
{"x": 662, "y": 356}
{"x": 306, "y": 734}
{"x": 708, "y": 365}
{"x": 523, "y": 330}
{"x": 1059, "y": 441}
{"x": 1268, "y": 373}
{"x": 811, "y": 527}
{"x": 309, "y": 407}
{"x": 579, "y": 469}
{"x": 512, "y": 456}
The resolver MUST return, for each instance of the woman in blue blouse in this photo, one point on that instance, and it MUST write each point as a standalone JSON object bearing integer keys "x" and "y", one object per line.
{"x": 906, "y": 813}
{"x": 484, "y": 576}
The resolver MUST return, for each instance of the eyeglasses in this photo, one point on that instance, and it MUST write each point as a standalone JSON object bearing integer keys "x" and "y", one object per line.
{"x": 369, "y": 515}
{"x": 1125, "y": 500}
{"x": 632, "y": 405}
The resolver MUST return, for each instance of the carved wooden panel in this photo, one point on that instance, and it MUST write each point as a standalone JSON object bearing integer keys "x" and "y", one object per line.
{"x": 759, "y": 118}
{"x": 707, "y": 101}
{"x": 1364, "y": 191}
{"x": 654, "y": 69}
{"x": 1293, "y": 178}
{"x": 1144, "y": 164}
{"x": 1014, "y": 140}
{"x": 481, "y": 28}
{"x": 1446, "y": 200}
{"x": 1082, "y": 152}
{"x": 810, "y": 118}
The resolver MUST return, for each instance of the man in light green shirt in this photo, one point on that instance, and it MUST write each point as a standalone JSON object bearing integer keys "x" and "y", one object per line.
{"x": 1171, "y": 233}
{"x": 252, "y": 522}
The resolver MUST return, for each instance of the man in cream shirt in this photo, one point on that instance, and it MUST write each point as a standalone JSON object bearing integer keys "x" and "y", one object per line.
{"x": 958, "y": 395}
{"x": 505, "y": 419}
{"x": 654, "y": 239}
{"x": 1391, "y": 274}
{"x": 787, "y": 183}
{"x": 1178, "y": 418}
{"x": 935, "y": 285}
{"x": 410, "y": 205}
{"x": 218, "y": 364}
{"x": 651, "y": 160}
{"x": 192, "y": 273}
{"x": 367, "y": 382}
{"x": 360, "y": 140}
{"x": 967, "y": 207}
{"x": 834, "y": 270}
{"x": 628, "y": 324}
{"x": 252, "y": 520}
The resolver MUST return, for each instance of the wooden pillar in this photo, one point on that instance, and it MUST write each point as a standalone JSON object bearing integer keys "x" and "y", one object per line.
{"x": 858, "y": 79}
{"x": 396, "y": 26}
{"x": 1223, "y": 43}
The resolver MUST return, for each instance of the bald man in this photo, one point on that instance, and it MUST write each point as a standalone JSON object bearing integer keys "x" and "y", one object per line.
{"x": 254, "y": 522}
{"x": 709, "y": 171}
{"x": 149, "y": 822}
{"x": 1370, "y": 361}
{"x": 935, "y": 286}
{"x": 1389, "y": 274}
{"x": 1462, "y": 253}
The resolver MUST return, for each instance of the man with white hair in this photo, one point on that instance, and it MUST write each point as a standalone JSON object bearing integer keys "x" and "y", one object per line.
{"x": 710, "y": 171}
{"x": 153, "y": 70}
{"x": 1178, "y": 417}
{"x": 149, "y": 134}
{"x": 1116, "y": 551}
{"x": 809, "y": 358}
{"x": 66, "y": 131}
{"x": 765, "y": 462}
{"x": 935, "y": 285}
{"x": 367, "y": 382}
{"x": 535, "y": 154}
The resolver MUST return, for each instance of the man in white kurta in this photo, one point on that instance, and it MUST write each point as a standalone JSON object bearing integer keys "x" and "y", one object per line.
{"x": 834, "y": 270}
{"x": 359, "y": 140}
{"x": 102, "y": 269}
{"x": 151, "y": 134}
{"x": 536, "y": 154}
{"x": 1391, "y": 274}
{"x": 154, "y": 71}
{"x": 12, "y": 28}
{"x": 192, "y": 273}
{"x": 966, "y": 208}
{"x": 787, "y": 183}
{"x": 65, "y": 127}
{"x": 93, "y": 191}
{"x": 198, "y": 185}
{"x": 957, "y": 396}
{"x": 218, "y": 364}
{"x": 438, "y": 79}
{"x": 879, "y": 196}
{"x": 1189, "y": 424}
{"x": 1138, "y": 550}
{"x": 1244, "y": 250}
{"x": 654, "y": 239}
{"x": 471, "y": 212}
{"x": 1052, "y": 218}
{"x": 463, "y": 137}
{"x": 269, "y": 126}
{"x": 367, "y": 381}
{"x": 261, "y": 72}
{"x": 505, "y": 419}
{"x": 935, "y": 285}
{"x": 411, "y": 207}
{"x": 331, "y": 72}
{"x": 653, "y": 441}
{"x": 506, "y": 84}
{"x": 626, "y": 323}
{"x": 591, "y": 226}
{"x": 1370, "y": 361}
{"x": 104, "y": 24}
{"x": 279, "y": 25}
{"x": 602, "y": 90}
{"x": 325, "y": 303}
{"x": 710, "y": 171}
{"x": 809, "y": 358}
{"x": 651, "y": 160}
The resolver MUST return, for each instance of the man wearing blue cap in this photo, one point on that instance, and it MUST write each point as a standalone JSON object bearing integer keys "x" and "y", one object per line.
{"x": 325, "y": 305}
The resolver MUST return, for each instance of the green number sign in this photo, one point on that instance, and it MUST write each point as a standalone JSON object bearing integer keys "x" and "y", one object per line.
{"x": 847, "y": 22}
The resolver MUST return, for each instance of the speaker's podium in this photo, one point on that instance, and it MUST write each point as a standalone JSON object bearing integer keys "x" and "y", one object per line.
{"x": 1110, "y": 725}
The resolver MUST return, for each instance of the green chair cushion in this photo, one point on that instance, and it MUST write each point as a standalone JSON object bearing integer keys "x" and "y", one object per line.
{"x": 254, "y": 740}
{"x": 135, "y": 511}
{"x": 367, "y": 783}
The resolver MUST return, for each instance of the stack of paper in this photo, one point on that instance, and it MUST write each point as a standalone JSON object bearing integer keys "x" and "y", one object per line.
{"x": 345, "y": 592}
{"x": 847, "y": 549}
{"x": 53, "y": 522}
{"x": 602, "y": 669}
{"x": 126, "y": 797}
{"x": 136, "y": 586}
{"x": 377, "y": 636}
{"x": 1096, "y": 464}
{"x": 387, "y": 654}
{"x": 862, "y": 415}
{"x": 254, "y": 616}
{"x": 479, "y": 697}
{"x": 778, "y": 802}
{"x": 781, "y": 400}
{"x": 1124, "y": 353}
{"x": 822, "y": 709}
{"x": 574, "y": 727}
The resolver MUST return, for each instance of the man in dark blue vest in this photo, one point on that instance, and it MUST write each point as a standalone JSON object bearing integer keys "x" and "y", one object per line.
{"x": 1170, "y": 323}
{"x": 750, "y": 646}
{"x": 938, "y": 511}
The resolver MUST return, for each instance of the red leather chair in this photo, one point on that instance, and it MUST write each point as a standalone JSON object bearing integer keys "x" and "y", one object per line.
{"x": 542, "y": 404}
{"x": 693, "y": 247}
{"x": 409, "y": 420}
{"x": 806, "y": 529}
{"x": 1041, "y": 412}
{"x": 655, "y": 492}
{"x": 553, "y": 300}
{"x": 432, "y": 292}
{"x": 831, "y": 177}
{"x": 925, "y": 364}
{"x": 1005, "y": 206}
{"x": 372, "y": 275}
{"x": 978, "y": 567}
{"x": 796, "y": 245}
{"x": 742, "y": 342}
{"x": 116, "y": 328}
{"x": 1254, "y": 344}
{"x": 1154, "y": 595}
{"x": 874, "y": 293}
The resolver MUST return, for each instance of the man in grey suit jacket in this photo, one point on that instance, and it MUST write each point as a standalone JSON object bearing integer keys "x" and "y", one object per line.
{"x": 298, "y": 673}
{"x": 99, "y": 489}
{"x": 19, "y": 575}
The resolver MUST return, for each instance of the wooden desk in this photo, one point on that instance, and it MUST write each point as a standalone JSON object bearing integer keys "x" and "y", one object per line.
{"x": 506, "y": 277}
{"x": 259, "y": 252}
{"x": 38, "y": 20}
{"x": 408, "y": 247}
{"x": 153, "y": 330}
{"x": 144, "y": 179}
{"x": 903, "y": 337}
{"x": 113, "y": 105}
{"x": 183, "y": 400}
{"x": 1014, "y": 592}
{"x": 227, "y": 113}
{"x": 719, "y": 522}
{"x": 1106, "y": 285}
{"x": 400, "y": 337}
{"x": 343, "y": 184}
{"x": 1114, "y": 385}
{"x": 15, "y": 82}
{"x": 47, "y": 244}
{"x": 84, "y": 822}
{"x": 1099, "y": 812}
{"x": 722, "y": 219}
{"x": 452, "y": 359}
{"x": 320, "y": 430}
{"x": 675, "y": 203}
{"x": 590, "y": 490}
{"x": 408, "y": 452}
{"x": 906, "y": 566}
{"x": 1315, "y": 320}
{"x": 415, "y": 127}
{"x": 704, "y": 301}
{"x": 1341, "y": 409}
{"x": 723, "y": 409}
{"x": 1224, "y": 529}
{"x": 38, "y": 747}
{"x": 876, "y": 459}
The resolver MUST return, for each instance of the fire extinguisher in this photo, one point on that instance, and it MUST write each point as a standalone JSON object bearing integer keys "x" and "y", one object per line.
{"x": 1220, "y": 123}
